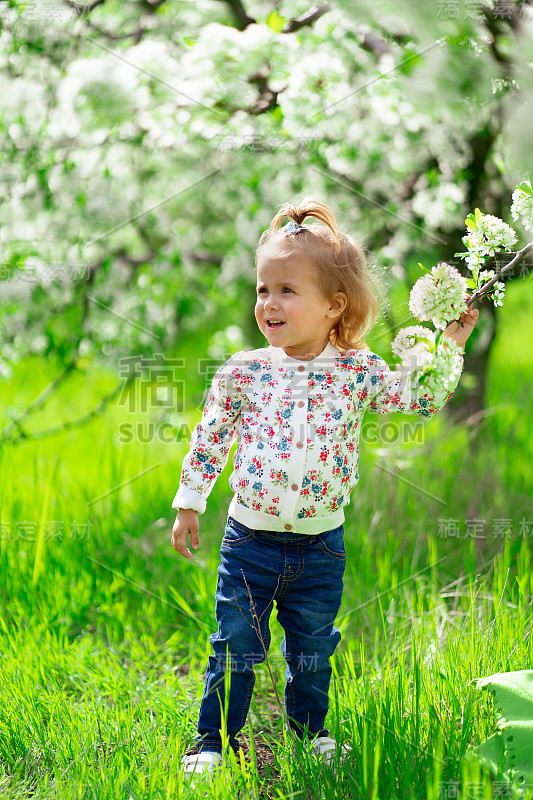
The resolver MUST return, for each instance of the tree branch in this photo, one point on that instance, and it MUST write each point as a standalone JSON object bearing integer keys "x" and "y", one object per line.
{"x": 135, "y": 262}
{"x": 483, "y": 290}
{"x": 376, "y": 44}
{"x": 84, "y": 9}
{"x": 152, "y": 5}
{"x": 38, "y": 403}
{"x": 494, "y": 25}
{"x": 307, "y": 19}
{"x": 268, "y": 98}
{"x": 206, "y": 258}
{"x": 49, "y": 391}
{"x": 82, "y": 12}
{"x": 76, "y": 423}
{"x": 242, "y": 18}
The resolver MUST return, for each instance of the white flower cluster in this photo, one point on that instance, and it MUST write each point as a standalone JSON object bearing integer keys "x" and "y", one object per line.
{"x": 498, "y": 295}
{"x": 440, "y": 363}
{"x": 446, "y": 366}
{"x": 490, "y": 235}
{"x": 413, "y": 336}
{"x": 439, "y": 296}
{"x": 522, "y": 207}
{"x": 497, "y": 288}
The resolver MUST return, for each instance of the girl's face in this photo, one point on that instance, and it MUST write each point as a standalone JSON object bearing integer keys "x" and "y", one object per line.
{"x": 287, "y": 294}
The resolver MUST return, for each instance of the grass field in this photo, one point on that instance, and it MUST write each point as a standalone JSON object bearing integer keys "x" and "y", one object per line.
{"x": 104, "y": 627}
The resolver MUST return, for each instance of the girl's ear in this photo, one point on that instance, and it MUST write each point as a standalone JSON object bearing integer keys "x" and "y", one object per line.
{"x": 338, "y": 303}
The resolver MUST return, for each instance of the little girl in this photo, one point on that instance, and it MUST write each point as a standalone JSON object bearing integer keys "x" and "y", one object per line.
{"x": 295, "y": 408}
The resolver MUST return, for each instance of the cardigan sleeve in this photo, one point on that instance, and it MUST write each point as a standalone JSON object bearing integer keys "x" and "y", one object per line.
{"x": 211, "y": 439}
{"x": 387, "y": 390}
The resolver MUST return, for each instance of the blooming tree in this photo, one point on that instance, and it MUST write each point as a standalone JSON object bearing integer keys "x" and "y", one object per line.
{"x": 145, "y": 144}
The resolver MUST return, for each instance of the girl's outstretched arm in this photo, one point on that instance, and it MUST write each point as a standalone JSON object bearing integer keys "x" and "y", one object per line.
{"x": 385, "y": 390}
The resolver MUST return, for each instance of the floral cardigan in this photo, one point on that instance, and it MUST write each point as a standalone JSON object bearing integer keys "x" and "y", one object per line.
{"x": 297, "y": 425}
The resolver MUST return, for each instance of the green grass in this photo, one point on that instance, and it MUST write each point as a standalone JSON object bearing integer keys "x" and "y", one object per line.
{"x": 104, "y": 634}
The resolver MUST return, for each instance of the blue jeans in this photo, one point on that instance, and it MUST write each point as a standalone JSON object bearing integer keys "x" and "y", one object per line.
{"x": 304, "y": 574}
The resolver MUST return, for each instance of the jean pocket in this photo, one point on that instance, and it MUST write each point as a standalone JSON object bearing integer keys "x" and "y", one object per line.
{"x": 235, "y": 533}
{"x": 332, "y": 543}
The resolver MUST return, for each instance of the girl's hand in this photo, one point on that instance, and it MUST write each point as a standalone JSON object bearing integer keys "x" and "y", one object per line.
{"x": 460, "y": 333}
{"x": 186, "y": 523}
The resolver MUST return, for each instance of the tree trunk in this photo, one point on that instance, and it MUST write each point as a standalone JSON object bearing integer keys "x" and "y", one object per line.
{"x": 469, "y": 397}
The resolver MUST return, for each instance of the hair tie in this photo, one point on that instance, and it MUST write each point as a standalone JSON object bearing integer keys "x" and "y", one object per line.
{"x": 292, "y": 227}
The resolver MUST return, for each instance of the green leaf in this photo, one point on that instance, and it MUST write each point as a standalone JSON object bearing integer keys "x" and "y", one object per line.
{"x": 470, "y": 224}
{"x": 409, "y": 63}
{"x": 526, "y": 188}
{"x": 275, "y": 21}
{"x": 472, "y": 284}
{"x": 479, "y": 215}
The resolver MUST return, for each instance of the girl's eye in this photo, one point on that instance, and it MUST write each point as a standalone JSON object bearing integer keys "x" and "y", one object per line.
{"x": 264, "y": 290}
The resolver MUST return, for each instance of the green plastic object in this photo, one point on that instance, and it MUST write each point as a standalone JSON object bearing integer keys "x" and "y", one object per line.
{"x": 511, "y": 747}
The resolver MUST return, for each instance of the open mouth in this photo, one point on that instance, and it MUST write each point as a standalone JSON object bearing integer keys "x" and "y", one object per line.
{"x": 272, "y": 324}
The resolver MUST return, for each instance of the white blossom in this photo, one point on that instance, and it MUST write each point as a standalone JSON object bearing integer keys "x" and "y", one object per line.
{"x": 408, "y": 338}
{"x": 438, "y": 363}
{"x": 439, "y": 368}
{"x": 496, "y": 291}
{"x": 445, "y": 367}
{"x": 416, "y": 357}
{"x": 439, "y": 296}
{"x": 522, "y": 207}
{"x": 497, "y": 297}
{"x": 491, "y": 235}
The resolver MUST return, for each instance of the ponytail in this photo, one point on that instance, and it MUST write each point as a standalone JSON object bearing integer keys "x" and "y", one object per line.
{"x": 308, "y": 208}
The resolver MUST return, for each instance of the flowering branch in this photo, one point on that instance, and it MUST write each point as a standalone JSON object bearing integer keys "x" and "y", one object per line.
{"x": 435, "y": 358}
{"x": 483, "y": 290}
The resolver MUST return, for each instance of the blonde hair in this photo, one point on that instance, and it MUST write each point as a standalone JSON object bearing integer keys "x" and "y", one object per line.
{"x": 341, "y": 267}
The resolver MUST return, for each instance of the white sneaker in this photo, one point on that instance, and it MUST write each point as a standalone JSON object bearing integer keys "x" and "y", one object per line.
{"x": 199, "y": 764}
{"x": 325, "y": 749}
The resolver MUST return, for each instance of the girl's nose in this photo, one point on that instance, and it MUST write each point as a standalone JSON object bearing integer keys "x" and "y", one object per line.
{"x": 270, "y": 303}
